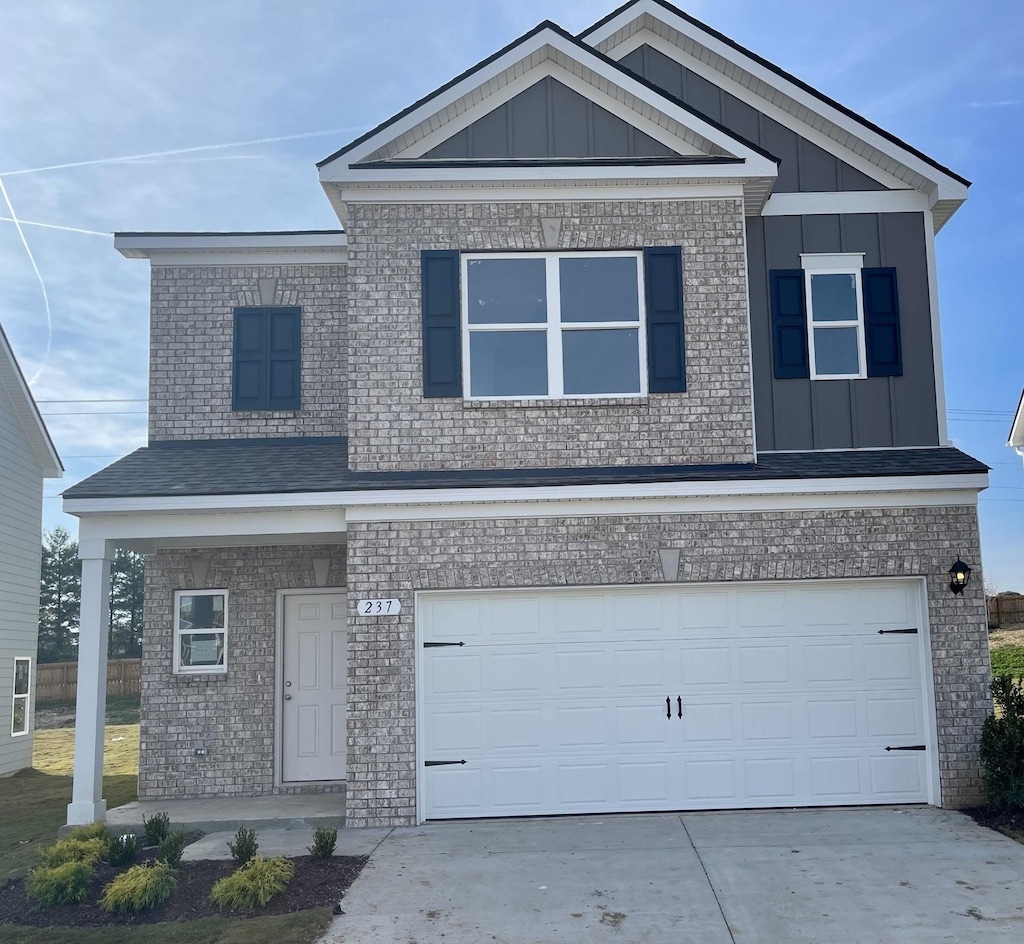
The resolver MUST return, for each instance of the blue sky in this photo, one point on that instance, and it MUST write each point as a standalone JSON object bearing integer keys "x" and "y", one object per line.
{"x": 92, "y": 83}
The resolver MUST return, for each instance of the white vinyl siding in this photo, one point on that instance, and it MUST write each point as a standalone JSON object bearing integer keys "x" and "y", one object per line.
{"x": 21, "y": 504}
{"x": 563, "y": 701}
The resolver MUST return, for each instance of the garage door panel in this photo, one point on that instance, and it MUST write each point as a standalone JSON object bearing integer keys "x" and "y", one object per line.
{"x": 557, "y": 700}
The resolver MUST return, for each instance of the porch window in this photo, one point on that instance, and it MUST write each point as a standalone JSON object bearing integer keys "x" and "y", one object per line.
{"x": 19, "y": 715}
{"x": 200, "y": 631}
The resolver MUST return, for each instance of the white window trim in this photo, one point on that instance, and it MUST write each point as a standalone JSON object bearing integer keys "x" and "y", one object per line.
{"x": 553, "y": 326}
{"x": 180, "y": 669}
{"x": 16, "y": 697}
{"x": 837, "y": 263}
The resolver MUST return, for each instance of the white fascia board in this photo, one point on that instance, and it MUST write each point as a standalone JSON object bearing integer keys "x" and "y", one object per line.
{"x": 12, "y": 380}
{"x": 1017, "y": 429}
{"x": 936, "y": 330}
{"x": 948, "y": 187}
{"x": 340, "y": 168}
{"x": 511, "y": 495}
{"x": 232, "y": 248}
{"x": 849, "y": 201}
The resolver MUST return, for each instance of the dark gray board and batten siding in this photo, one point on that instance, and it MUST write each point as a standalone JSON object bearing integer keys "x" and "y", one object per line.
{"x": 549, "y": 119}
{"x": 844, "y": 414}
{"x": 805, "y": 166}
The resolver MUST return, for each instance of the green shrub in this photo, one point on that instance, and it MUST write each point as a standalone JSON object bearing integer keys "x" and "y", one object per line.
{"x": 253, "y": 885}
{"x": 1008, "y": 660}
{"x": 140, "y": 888}
{"x": 324, "y": 840}
{"x": 171, "y": 848}
{"x": 92, "y": 831}
{"x": 72, "y": 849}
{"x": 64, "y": 884}
{"x": 123, "y": 849}
{"x": 156, "y": 828}
{"x": 245, "y": 845}
{"x": 1002, "y": 745}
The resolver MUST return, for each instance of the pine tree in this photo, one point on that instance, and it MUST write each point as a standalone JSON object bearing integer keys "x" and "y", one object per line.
{"x": 127, "y": 598}
{"x": 59, "y": 597}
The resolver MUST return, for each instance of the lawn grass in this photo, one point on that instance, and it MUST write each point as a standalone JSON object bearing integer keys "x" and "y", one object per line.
{"x": 1008, "y": 660}
{"x": 121, "y": 709}
{"x": 298, "y": 927}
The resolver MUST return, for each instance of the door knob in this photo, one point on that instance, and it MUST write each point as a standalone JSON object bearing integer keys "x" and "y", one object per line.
{"x": 287, "y": 684}
{"x": 287, "y": 697}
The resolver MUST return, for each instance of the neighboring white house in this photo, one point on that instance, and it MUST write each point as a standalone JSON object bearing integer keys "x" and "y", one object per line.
{"x": 1017, "y": 430}
{"x": 27, "y": 456}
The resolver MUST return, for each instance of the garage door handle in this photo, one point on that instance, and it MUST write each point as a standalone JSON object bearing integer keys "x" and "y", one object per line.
{"x": 668, "y": 707}
{"x": 679, "y": 701}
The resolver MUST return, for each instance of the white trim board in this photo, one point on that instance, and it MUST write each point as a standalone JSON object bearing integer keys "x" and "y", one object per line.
{"x": 848, "y": 201}
{"x": 16, "y": 388}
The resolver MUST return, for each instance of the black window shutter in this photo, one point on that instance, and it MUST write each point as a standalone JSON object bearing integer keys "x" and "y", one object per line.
{"x": 249, "y": 383}
{"x": 442, "y": 323}
{"x": 789, "y": 323}
{"x": 882, "y": 323}
{"x": 666, "y": 341}
{"x": 284, "y": 357}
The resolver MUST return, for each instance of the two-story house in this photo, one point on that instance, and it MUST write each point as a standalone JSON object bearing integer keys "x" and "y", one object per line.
{"x": 597, "y": 463}
{"x": 27, "y": 457}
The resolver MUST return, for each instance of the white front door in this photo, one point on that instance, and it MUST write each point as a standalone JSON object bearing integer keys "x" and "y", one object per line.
{"x": 679, "y": 697}
{"x": 314, "y": 682}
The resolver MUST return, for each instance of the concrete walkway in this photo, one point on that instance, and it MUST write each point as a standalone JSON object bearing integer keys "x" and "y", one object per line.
{"x": 877, "y": 876}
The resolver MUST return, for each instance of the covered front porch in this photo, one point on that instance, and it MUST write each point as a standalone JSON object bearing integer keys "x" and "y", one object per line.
{"x": 221, "y": 737}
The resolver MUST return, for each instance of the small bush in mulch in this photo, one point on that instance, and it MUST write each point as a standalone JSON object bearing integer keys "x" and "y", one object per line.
{"x": 324, "y": 841}
{"x": 72, "y": 849}
{"x": 172, "y": 846}
{"x": 254, "y": 884}
{"x": 315, "y": 884}
{"x": 141, "y": 888}
{"x": 63, "y": 884}
{"x": 156, "y": 827}
{"x": 123, "y": 850}
{"x": 245, "y": 845}
{"x": 1002, "y": 746}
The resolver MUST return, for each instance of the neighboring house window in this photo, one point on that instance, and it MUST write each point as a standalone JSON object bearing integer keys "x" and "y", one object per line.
{"x": 200, "y": 631}
{"x": 267, "y": 359}
{"x": 549, "y": 325}
{"x": 835, "y": 315}
{"x": 19, "y": 713}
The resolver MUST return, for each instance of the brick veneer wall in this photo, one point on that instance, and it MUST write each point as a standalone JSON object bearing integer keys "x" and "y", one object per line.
{"x": 191, "y": 338}
{"x": 397, "y": 559}
{"x": 392, "y": 426}
{"x": 231, "y": 715}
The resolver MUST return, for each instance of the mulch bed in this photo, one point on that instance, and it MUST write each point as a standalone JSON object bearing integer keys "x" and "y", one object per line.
{"x": 316, "y": 883}
{"x": 1012, "y": 819}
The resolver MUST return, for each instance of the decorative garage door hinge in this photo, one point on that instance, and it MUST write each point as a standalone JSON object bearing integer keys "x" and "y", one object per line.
{"x": 913, "y": 747}
{"x": 445, "y": 763}
{"x": 885, "y": 632}
{"x": 436, "y": 645}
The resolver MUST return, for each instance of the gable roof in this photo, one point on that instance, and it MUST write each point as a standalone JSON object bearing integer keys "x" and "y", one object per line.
{"x": 12, "y": 382}
{"x": 772, "y": 83}
{"x": 1017, "y": 429}
{"x": 387, "y": 151}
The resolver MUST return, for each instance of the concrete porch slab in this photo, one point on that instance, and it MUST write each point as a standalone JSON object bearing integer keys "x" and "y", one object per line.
{"x": 226, "y": 814}
{"x": 294, "y": 841}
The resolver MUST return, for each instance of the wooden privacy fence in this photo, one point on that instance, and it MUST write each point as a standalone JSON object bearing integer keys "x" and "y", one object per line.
{"x": 1005, "y": 611}
{"x": 58, "y": 681}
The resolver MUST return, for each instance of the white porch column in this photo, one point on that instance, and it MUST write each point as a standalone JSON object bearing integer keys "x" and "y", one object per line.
{"x": 87, "y": 804}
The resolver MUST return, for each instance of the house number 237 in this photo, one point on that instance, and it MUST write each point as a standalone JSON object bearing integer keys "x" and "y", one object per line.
{"x": 379, "y": 607}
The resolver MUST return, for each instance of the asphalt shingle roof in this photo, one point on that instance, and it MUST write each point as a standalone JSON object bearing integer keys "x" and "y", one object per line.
{"x": 282, "y": 465}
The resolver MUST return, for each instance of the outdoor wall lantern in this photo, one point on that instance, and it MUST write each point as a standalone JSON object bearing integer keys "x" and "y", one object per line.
{"x": 959, "y": 576}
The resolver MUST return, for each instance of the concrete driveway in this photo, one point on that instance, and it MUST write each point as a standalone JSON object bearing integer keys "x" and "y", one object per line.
{"x": 916, "y": 875}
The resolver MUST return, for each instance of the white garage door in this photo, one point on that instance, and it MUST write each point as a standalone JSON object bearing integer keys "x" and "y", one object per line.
{"x": 578, "y": 701}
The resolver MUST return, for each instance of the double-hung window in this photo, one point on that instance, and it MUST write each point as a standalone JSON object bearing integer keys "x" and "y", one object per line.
{"x": 835, "y": 315}
{"x": 553, "y": 325}
{"x": 200, "y": 631}
{"x": 22, "y": 680}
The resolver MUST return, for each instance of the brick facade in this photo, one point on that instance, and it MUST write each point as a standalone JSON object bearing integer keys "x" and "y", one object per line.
{"x": 391, "y": 426}
{"x": 397, "y": 559}
{"x": 231, "y": 715}
{"x": 191, "y": 336}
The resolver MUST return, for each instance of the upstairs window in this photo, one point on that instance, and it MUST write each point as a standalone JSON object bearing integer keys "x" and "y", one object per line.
{"x": 551, "y": 325}
{"x": 267, "y": 358}
{"x": 835, "y": 315}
